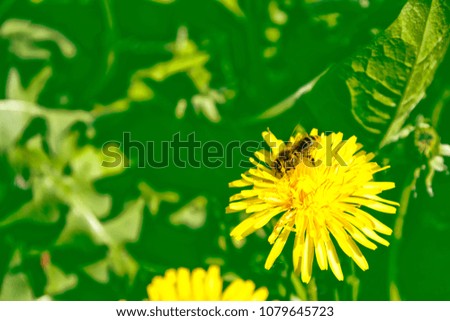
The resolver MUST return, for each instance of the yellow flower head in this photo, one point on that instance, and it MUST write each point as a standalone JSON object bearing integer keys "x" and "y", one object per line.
{"x": 201, "y": 285}
{"x": 319, "y": 185}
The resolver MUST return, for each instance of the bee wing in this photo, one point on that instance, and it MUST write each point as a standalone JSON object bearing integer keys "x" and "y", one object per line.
{"x": 297, "y": 134}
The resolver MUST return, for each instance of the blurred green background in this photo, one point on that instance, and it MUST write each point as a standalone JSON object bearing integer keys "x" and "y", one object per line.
{"x": 76, "y": 74}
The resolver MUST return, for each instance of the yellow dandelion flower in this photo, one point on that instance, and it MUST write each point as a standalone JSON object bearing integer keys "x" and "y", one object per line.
{"x": 201, "y": 285}
{"x": 320, "y": 185}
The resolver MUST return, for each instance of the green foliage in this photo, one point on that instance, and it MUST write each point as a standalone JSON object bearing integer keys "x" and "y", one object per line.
{"x": 388, "y": 78}
{"x": 71, "y": 228}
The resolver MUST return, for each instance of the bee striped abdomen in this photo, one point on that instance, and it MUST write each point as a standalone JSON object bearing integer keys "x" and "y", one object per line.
{"x": 293, "y": 154}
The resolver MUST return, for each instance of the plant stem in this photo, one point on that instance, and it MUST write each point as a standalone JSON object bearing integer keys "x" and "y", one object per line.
{"x": 353, "y": 281}
{"x": 299, "y": 288}
{"x": 398, "y": 233}
{"x": 312, "y": 290}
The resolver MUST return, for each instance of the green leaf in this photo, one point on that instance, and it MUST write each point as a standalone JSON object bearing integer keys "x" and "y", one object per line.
{"x": 49, "y": 182}
{"x": 154, "y": 198}
{"x": 15, "y": 286}
{"x": 21, "y": 107}
{"x": 15, "y": 116}
{"x": 115, "y": 233}
{"x": 233, "y": 6}
{"x": 34, "y": 212}
{"x": 388, "y": 78}
{"x": 15, "y": 90}
{"x": 127, "y": 226}
{"x": 83, "y": 223}
{"x": 98, "y": 271}
{"x": 24, "y": 37}
{"x": 57, "y": 281}
{"x": 122, "y": 263}
{"x": 87, "y": 165}
{"x": 192, "y": 214}
{"x": 59, "y": 123}
{"x": 289, "y": 102}
{"x": 118, "y": 261}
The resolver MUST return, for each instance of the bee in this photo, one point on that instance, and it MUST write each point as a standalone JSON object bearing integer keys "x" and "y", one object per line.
{"x": 295, "y": 151}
